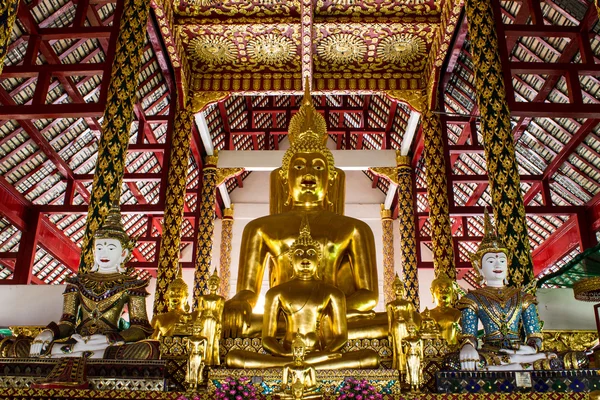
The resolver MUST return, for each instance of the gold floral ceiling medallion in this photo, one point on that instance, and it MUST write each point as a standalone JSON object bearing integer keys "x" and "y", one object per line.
{"x": 271, "y": 49}
{"x": 401, "y": 49}
{"x": 342, "y": 48}
{"x": 213, "y": 49}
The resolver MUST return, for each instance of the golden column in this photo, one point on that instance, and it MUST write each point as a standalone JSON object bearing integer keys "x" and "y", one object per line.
{"x": 170, "y": 241}
{"x": 437, "y": 194}
{"x": 503, "y": 173}
{"x": 212, "y": 177}
{"x": 8, "y": 14}
{"x": 225, "y": 261}
{"x": 406, "y": 220}
{"x": 206, "y": 227}
{"x": 179, "y": 157}
{"x": 389, "y": 271}
{"x": 118, "y": 115}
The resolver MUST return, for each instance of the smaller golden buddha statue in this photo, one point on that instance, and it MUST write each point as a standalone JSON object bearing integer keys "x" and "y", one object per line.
{"x": 305, "y": 302}
{"x": 197, "y": 346}
{"x": 413, "y": 345}
{"x": 400, "y": 313}
{"x": 299, "y": 378}
{"x": 177, "y": 320}
{"x": 210, "y": 312}
{"x": 94, "y": 301}
{"x": 429, "y": 327}
{"x": 446, "y": 316}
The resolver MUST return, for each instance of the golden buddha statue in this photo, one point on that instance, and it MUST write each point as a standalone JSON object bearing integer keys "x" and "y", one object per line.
{"x": 413, "y": 345}
{"x": 210, "y": 311}
{"x": 446, "y": 316}
{"x": 299, "y": 378}
{"x": 177, "y": 320}
{"x": 400, "y": 312}
{"x": 308, "y": 173}
{"x": 94, "y": 302}
{"x": 306, "y": 302}
{"x": 429, "y": 327}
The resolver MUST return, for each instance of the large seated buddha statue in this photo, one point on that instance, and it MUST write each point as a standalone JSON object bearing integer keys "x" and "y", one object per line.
{"x": 349, "y": 262}
{"x": 94, "y": 302}
{"x": 512, "y": 329}
{"x": 305, "y": 301}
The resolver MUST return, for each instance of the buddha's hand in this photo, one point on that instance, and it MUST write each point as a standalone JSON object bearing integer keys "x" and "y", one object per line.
{"x": 236, "y": 317}
{"x": 90, "y": 343}
{"x": 522, "y": 350}
{"x": 469, "y": 358}
{"x": 352, "y": 315}
{"x": 317, "y": 357}
{"x": 41, "y": 343}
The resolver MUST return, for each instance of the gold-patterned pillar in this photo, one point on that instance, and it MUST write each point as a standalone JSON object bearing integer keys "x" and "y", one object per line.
{"x": 407, "y": 229}
{"x": 206, "y": 227}
{"x": 437, "y": 194}
{"x": 389, "y": 271}
{"x": 170, "y": 241}
{"x": 499, "y": 146}
{"x": 225, "y": 261}
{"x": 118, "y": 115}
{"x": 8, "y": 15}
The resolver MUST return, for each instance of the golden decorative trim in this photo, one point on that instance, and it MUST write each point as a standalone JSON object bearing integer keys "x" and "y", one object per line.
{"x": 587, "y": 289}
{"x": 417, "y": 99}
{"x": 26, "y": 330}
{"x": 390, "y": 173}
{"x": 223, "y": 174}
{"x": 576, "y": 340}
{"x": 200, "y": 100}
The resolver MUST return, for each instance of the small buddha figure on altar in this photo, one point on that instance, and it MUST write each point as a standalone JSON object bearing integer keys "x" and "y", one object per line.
{"x": 197, "y": 345}
{"x": 446, "y": 316}
{"x": 305, "y": 302}
{"x": 210, "y": 311}
{"x": 94, "y": 302}
{"x": 400, "y": 312}
{"x": 299, "y": 378}
{"x": 413, "y": 345}
{"x": 177, "y": 320}
{"x": 502, "y": 311}
{"x": 308, "y": 172}
{"x": 429, "y": 327}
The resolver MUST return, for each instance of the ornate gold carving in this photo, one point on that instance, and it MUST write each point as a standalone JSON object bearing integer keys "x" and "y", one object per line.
{"x": 25, "y": 330}
{"x": 555, "y": 340}
{"x": 437, "y": 193}
{"x": 390, "y": 173}
{"x": 271, "y": 49}
{"x": 389, "y": 270}
{"x": 225, "y": 173}
{"x": 401, "y": 49}
{"x": 342, "y": 48}
{"x": 202, "y": 99}
{"x": 225, "y": 260}
{"x": 587, "y": 289}
{"x": 417, "y": 99}
{"x": 213, "y": 49}
{"x": 8, "y": 14}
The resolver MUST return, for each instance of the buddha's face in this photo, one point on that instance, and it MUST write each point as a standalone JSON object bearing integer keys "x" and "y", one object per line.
{"x": 304, "y": 261}
{"x": 494, "y": 268}
{"x": 176, "y": 301}
{"x": 213, "y": 285}
{"x": 109, "y": 255}
{"x": 308, "y": 177}
{"x": 298, "y": 352}
{"x": 398, "y": 288}
{"x": 442, "y": 293}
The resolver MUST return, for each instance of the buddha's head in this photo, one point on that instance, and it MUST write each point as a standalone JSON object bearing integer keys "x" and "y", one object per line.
{"x": 305, "y": 254}
{"x": 213, "y": 282}
{"x": 398, "y": 287}
{"x": 177, "y": 294}
{"x": 112, "y": 244}
{"x": 298, "y": 347}
{"x": 442, "y": 289}
{"x": 490, "y": 261}
{"x": 308, "y": 167}
{"x": 411, "y": 328}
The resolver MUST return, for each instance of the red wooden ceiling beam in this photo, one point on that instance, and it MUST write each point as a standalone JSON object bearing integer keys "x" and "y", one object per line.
{"x": 49, "y": 111}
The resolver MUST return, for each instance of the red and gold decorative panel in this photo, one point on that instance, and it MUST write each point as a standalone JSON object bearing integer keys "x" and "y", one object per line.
{"x": 273, "y": 9}
{"x": 387, "y": 8}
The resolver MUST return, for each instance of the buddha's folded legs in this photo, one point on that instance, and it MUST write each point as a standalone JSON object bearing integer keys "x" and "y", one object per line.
{"x": 360, "y": 359}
